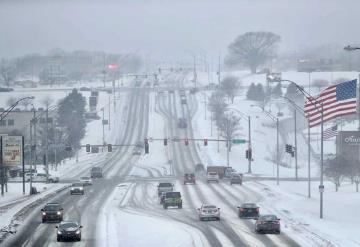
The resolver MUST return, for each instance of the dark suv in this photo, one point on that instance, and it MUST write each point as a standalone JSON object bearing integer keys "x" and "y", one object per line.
{"x": 96, "y": 172}
{"x": 172, "y": 199}
{"x": 249, "y": 211}
{"x": 52, "y": 212}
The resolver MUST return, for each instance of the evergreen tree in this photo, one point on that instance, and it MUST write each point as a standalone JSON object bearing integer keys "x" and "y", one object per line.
{"x": 71, "y": 117}
{"x": 250, "y": 95}
{"x": 260, "y": 93}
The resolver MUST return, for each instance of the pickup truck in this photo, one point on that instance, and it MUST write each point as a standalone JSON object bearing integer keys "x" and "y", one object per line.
{"x": 165, "y": 187}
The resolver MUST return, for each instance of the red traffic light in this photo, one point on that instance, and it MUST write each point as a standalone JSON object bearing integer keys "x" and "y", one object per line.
{"x": 205, "y": 142}
{"x": 186, "y": 141}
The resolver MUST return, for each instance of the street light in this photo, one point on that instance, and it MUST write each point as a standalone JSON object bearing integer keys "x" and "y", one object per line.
{"x": 3, "y": 115}
{"x": 249, "y": 133}
{"x": 275, "y": 119}
{"x": 321, "y": 111}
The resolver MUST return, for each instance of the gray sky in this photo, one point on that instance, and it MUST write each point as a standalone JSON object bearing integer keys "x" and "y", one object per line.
{"x": 170, "y": 27}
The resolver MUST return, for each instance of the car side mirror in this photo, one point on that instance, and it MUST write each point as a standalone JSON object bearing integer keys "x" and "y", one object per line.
{"x": 56, "y": 227}
{"x": 198, "y": 209}
{"x": 61, "y": 209}
{"x": 238, "y": 207}
{"x": 278, "y": 219}
{"x": 219, "y": 208}
{"x": 42, "y": 209}
{"x": 80, "y": 226}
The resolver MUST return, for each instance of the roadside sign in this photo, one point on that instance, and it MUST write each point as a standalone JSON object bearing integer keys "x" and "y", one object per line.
{"x": 12, "y": 150}
{"x": 238, "y": 141}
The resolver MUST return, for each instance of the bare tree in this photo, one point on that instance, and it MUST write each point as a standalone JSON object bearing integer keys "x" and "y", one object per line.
{"x": 217, "y": 105}
{"x": 252, "y": 49}
{"x": 47, "y": 101}
{"x": 230, "y": 86}
{"x": 319, "y": 83}
{"x": 336, "y": 169}
{"x": 229, "y": 127}
{"x": 25, "y": 103}
{"x": 7, "y": 73}
{"x": 11, "y": 101}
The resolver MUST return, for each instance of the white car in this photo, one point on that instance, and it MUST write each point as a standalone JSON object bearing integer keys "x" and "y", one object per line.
{"x": 77, "y": 188}
{"x": 208, "y": 211}
{"x": 41, "y": 177}
{"x": 86, "y": 180}
{"x": 212, "y": 177}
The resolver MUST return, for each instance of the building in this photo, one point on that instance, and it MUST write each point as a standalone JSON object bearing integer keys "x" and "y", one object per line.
{"x": 348, "y": 144}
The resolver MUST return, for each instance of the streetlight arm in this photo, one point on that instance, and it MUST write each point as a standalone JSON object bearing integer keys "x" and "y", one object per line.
{"x": 7, "y": 111}
{"x": 272, "y": 117}
{"x": 298, "y": 108}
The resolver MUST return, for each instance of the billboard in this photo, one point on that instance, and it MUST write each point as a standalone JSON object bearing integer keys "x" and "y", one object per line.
{"x": 12, "y": 150}
{"x": 348, "y": 144}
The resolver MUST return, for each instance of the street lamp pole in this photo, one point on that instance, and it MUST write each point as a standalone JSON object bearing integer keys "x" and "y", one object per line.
{"x": 296, "y": 149}
{"x": 103, "y": 125}
{"x": 249, "y": 145}
{"x": 277, "y": 151}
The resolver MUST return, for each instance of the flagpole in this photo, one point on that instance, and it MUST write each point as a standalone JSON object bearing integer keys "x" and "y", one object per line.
{"x": 321, "y": 187}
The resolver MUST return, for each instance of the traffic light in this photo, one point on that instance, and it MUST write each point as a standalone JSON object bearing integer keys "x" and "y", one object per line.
{"x": 186, "y": 141}
{"x": 146, "y": 146}
{"x": 165, "y": 142}
{"x": 247, "y": 154}
{"x": 205, "y": 142}
{"x": 250, "y": 154}
{"x": 88, "y": 148}
{"x": 109, "y": 148}
{"x": 288, "y": 148}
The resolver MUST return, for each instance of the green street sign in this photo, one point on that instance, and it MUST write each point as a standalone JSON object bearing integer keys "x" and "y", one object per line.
{"x": 238, "y": 141}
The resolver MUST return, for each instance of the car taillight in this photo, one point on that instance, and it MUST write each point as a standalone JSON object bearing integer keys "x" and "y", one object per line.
{"x": 277, "y": 222}
{"x": 241, "y": 209}
{"x": 257, "y": 210}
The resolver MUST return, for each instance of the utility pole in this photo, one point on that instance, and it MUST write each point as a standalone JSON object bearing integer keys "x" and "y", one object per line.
{"x": 227, "y": 141}
{"x": 219, "y": 73}
{"x": 46, "y": 144}
{"x": 277, "y": 151}
{"x": 249, "y": 145}
{"x": 109, "y": 112}
{"x": 103, "y": 125}
{"x": 296, "y": 163}
{"x": 309, "y": 174}
{"x": 195, "y": 74}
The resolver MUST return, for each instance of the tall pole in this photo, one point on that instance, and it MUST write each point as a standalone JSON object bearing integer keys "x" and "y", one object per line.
{"x": 277, "y": 151}
{"x": 249, "y": 145}
{"x": 46, "y": 144}
{"x": 309, "y": 174}
{"x": 31, "y": 152}
{"x": 219, "y": 77}
{"x": 109, "y": 113}
{"x": 322, "y": 163}
{"x": 34, "y": 156}
{"x": 2, "y": 169}
{"x": 296, "y": 153}
{"x": 227, "y": 142}
{"x": 103, "y": 117}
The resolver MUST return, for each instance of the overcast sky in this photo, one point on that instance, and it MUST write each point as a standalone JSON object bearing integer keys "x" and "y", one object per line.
{"x": 171, "y": 27}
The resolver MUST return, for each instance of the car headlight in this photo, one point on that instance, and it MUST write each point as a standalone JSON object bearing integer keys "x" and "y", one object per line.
{"x": 78, "y": 232}
{"x": 59, "y": 232}
{"x": 58, "y": 213}
{"x": 81, "y": 188}
{"x": 44, "y": 213}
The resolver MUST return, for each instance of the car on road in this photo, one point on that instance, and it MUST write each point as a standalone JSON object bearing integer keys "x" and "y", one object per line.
{"x": 165, "y": 187}
{"x": 209, "y": 212}
{"x": 268, "y": 223}
{"x": 40, "y": 177}
{"x": 77, "y": 189}
{"x": 136, "y": 151}
{"x": 52, "y": 212}
{"x": 172, "y": 199}
{"x": 96, "y": 172}
{"x": 189, "y": 178}
{"x": 249, "y": 210}
{"x": 86, "y": 181}
{"x": 236, "y": 179}
{"x": 212, "y": 177}
{"x": 68, "y": 230}
{"x": 6, "y": 89}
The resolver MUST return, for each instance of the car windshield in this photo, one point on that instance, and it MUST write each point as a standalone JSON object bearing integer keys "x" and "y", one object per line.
{"x": 53, "y": 207}
{"x": 173, "y": 194}
{"x": 77, "y": 185}
{"x": 84, "y": 178}
{"x": 165, "y": 185}
{"x": 268, "y": 217}
{"x": 248, "y": 205}
{"x": 68, "y": 225}
{"x": 213, "y": 173}
{"x": 209, "y": 207}
{"x": 96, "y": 169}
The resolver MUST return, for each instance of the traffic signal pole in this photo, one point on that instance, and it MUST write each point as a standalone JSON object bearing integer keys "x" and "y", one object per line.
{"x": 249, "y": 145}
{"x": 296, "y": 164}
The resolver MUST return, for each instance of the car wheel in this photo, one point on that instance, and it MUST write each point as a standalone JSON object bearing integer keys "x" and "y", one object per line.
{"x": 58, "y": 239}
{"x": 180, "y": 206}
{"x": 165, "y": 206}
{"x": 51, "y": 181}
{"x": 218, "y": 218}
{"x": 43, "y": 221}
{"x": 231, "y": 183}
{"x": 278, "y": 232}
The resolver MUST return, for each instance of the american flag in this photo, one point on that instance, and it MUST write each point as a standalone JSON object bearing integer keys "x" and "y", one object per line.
{"x": 338, "y": 100}
{"x": 330, "y": 132}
